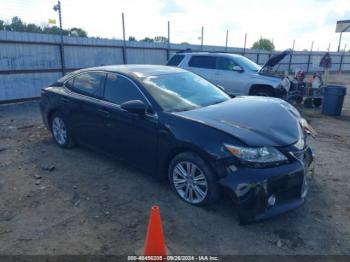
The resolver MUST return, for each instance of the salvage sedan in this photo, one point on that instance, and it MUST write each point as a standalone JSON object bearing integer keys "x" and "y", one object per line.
{"x": 171, "y": 122}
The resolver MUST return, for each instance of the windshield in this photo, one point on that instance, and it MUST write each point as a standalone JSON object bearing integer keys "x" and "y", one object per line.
{"x": 247, "y": 63}
{"x": 183, "y": 91}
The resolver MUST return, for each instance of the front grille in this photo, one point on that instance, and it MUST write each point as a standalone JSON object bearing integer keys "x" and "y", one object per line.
{"x": 286, "y": 187}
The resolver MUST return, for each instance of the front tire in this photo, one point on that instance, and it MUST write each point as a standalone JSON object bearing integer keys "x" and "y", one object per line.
{"x": 193, "y": 180}
{"x": 60, "y": 131}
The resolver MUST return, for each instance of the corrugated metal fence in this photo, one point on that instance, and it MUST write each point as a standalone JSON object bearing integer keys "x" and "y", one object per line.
{"x": 29, "y": 62}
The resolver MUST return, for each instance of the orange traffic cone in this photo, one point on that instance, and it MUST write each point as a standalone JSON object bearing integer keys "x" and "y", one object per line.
{"x": 155, "y": 243}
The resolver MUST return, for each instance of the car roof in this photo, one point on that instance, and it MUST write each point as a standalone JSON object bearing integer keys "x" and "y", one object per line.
{"x": 209, "y": 54}
{"x": 137, "y": 71}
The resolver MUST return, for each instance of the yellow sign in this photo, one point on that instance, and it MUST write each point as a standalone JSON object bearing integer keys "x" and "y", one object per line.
{"x": 52, "y": 21}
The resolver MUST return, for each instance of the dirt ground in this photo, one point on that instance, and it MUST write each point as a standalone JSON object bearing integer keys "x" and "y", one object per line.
{"x": 56, "y": 201}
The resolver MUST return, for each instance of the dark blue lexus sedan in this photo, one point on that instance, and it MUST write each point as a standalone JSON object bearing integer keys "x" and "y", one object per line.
{"x": 173, "y": 123}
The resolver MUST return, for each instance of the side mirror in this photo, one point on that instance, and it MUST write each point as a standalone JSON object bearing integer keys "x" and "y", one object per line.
{"x": 134, "y": 106}
{"x": 237, "y": 69}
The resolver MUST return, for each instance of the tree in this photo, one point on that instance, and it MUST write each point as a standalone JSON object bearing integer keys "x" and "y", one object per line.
{"x": 147, "y": 39}
{"x": 264, "y": 44}
{"x": 161, "y": 39}
{"x": 34, "y": 28}
{"x": 132, "y": 38}
{"x": 18, "y": 25}
{"x": 54, "y": 30}
{"x": 77, "y": 32}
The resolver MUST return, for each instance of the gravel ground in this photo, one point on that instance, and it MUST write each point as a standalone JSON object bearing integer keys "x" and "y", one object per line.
{"x": 56, "y": 201}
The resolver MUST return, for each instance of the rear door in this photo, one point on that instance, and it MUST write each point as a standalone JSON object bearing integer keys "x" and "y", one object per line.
{"x": 85, "y": 109}
{"x": 203, "y": 65}
{"x": 131, "y": 136}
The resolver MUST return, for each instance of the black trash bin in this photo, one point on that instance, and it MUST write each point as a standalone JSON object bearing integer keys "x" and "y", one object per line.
{"x": 333, "y": 99}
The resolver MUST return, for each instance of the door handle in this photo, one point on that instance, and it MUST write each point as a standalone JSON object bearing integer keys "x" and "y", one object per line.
{"x": 217, "y": 73}
{"x": 104, "y": 112}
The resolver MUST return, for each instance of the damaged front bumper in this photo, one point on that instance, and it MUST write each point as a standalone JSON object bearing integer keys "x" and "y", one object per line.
{"x": 261, "y": 193}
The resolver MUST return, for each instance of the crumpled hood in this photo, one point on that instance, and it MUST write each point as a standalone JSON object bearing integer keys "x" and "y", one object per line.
{"x": 257, "y": 121}
{"x": 275, "y": 59}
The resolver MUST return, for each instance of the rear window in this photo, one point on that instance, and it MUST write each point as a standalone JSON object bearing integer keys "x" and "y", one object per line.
{"x": 89, "y": 83}
{"x": 175, "y": 60}
{"x": 203, "y": 62}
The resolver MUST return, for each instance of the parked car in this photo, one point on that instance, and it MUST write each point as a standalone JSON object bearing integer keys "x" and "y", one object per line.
{"x": 173, "y": 123}
{"x": 237, "y": 74}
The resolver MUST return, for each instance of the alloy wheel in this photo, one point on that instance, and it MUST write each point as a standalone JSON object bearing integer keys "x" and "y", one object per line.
{"x": 190, "y": 182}
{"x": 59, "y": 130}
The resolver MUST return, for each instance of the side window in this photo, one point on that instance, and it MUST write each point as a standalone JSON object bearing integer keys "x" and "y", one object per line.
{"x": 175, "y": 60}
{"x": 119, "y": 89}
{"x": 202, "y": 61}
{"x": 223, "y": 63}
{"x": 89, "y": 83}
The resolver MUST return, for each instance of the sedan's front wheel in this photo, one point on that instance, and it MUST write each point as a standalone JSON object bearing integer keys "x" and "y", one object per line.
{"x": 193, "y": 180}
{"x": 60, "y": 131}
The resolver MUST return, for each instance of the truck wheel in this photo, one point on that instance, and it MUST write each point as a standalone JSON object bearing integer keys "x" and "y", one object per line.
{"x": 261, "y": 91}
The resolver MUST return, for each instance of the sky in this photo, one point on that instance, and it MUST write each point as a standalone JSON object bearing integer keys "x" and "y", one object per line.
{"x": 279, "y": 20}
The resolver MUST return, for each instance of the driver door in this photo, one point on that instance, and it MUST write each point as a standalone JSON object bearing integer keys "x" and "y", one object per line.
{"x": 234, "y": 81}
{"x": 132, "y": 137}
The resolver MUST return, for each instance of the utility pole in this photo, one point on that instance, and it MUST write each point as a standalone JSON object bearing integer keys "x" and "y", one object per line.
{"x": 168, "y": 49}
{"x": 342, "y": 27}
{"x": 341, "y": 59}
{"x": 57, "y": 8}
{"x": 245, "y": 43}
{"x": 270, "y": 54}
{"x": 124, "y": 43}
{"x": 290, "y": 56}
{"x": 202, "y": 37}
{"x": 309, "y": 57}
{"x": 341, "y": 33}
{"x": 226, "y": 40}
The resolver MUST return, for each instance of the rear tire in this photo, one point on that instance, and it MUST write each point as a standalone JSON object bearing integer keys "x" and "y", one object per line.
{"x": 193, "y": 179}
{"x": 60, "y": 130}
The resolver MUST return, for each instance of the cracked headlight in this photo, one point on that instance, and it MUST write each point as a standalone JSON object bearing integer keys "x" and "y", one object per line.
{"x": 260, "y": 155}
